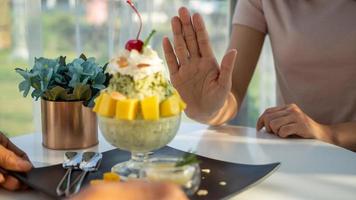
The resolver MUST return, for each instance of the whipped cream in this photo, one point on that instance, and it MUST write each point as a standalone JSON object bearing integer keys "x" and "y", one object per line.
{"x": 134, "y": 59}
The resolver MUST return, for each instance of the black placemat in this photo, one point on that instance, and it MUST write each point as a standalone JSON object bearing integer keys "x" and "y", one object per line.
{"x": 236, "y": 176}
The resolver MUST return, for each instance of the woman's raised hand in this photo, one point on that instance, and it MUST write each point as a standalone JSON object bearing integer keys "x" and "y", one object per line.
{"x": 202, "y": 83}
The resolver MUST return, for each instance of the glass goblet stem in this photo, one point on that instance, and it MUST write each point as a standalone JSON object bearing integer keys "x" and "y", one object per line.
{"x": 139, "y": 158}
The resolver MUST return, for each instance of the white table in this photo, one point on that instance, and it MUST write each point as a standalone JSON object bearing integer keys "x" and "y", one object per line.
{"x": 310, "y": 169}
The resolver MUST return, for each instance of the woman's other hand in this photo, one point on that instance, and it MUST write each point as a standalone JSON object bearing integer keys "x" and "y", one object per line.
{"x": 11, "y": 158}
{"x": 290, "y": 120}
{"x": 202, "y": 83}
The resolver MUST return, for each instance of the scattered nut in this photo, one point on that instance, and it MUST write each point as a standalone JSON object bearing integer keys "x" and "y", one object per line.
{"x": 206, "y": 171}
{"x": 123, "y": 62}
{"x": 202, "y": 192}
{"x": 141, "y": 65}
{"x": 222, "y": 183}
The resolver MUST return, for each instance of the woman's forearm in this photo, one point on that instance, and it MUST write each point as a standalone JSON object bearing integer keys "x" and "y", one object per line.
{"x": 343, "y": 135}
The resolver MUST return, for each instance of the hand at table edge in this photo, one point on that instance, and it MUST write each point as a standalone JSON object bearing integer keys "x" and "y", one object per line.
{"x": 289, "y": 120}
{"x": 14, "y": 159}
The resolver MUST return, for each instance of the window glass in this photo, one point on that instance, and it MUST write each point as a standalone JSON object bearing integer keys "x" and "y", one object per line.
{"x": 100, "y": 28}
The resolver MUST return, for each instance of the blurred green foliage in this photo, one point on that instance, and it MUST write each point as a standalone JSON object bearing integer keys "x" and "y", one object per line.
{"x": 15, "y": 111}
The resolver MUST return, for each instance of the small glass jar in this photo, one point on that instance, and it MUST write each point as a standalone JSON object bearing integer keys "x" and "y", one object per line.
{"x": 165, "y": 169}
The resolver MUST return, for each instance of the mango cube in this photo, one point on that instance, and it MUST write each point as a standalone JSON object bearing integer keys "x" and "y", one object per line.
{"x": 111, "y": 176}
{"x": 150, "y": 108}
{"x": 182, "y": 105}
{"x": 126, "y": 109}
{"x": 97, "y": 103}
{"x": 107, "y": 106}
{"x": 170, "y": 106}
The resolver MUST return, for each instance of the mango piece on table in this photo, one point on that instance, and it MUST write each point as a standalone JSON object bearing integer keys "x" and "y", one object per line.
{"x": 96, "y": 182}
{"x": 97, "y": 102}
{"x": 111, "y": 176}
{"x": 107, "y": 106}
{"x": 150, "y": 108}
{"x": 126, "y": 109}
{"x": 170, "y": 106}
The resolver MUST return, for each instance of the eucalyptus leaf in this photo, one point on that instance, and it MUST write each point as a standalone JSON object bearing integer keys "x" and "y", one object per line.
{"x": 100, "y": 79}
{"x": 23, "y": 73}
{"x": 36, "y": 94}
{"x": 99, "y": 86}
{"x": 105, "y": 66}
{"x": 60, "y": 79}
{"x": 25, "y": 86}
{"x": 91, "y": 102}
{"x": 55, "y": 93}
{"x": 62, "y": 60}
{"x": 82, "y": 92}
{"x": 82, "y": 56}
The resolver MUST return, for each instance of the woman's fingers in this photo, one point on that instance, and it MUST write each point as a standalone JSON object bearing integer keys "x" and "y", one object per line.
{"x": 268, "y": 115}
{"x": 10, "y": 161}
{"x": 288, "y": 130}
{"x": 275, "y": 109}
{"x": 279, "y": 122}
{"x": 202, "y": 36}
{"x": 2, "y": 178}
{"x": 179, "y": 42}
{"x": 5, "y": 142}
{"x": 262, "y": 122}
{"x": 11, "y": 183}
{"x": 12, "y": 158}
{"x": 227, "y": 66}
{"x": 283, "y": 121}
{"x": 170, "y": 56}
{"x": 189, "y": 33}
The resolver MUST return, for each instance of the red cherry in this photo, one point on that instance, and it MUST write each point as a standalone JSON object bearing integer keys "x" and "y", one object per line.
{"x": 134, "y": 44}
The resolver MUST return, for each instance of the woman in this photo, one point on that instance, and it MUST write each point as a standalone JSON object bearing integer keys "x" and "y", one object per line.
{"x": 314, "y": 46}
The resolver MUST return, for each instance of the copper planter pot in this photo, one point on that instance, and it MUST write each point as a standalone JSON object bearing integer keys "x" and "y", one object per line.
{"x": 68, "y": 125}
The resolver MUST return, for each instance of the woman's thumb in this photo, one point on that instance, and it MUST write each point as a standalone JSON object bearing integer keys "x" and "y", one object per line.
{"x": 227, "y": 66}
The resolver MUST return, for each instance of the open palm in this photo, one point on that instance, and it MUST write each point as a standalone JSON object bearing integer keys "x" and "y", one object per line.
{"x": 203, "y": 84}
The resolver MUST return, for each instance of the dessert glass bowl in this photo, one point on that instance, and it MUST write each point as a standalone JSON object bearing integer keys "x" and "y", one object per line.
{"x": 140, "y": 137}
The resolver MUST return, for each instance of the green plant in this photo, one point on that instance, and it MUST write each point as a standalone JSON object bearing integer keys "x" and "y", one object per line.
{"x": 55, "y": 80}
